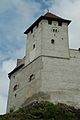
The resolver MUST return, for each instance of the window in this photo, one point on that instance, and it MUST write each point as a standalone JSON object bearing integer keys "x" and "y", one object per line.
{"x": 54, "y": 30}
{"x": 32, "y": 77}
{"x": 52, "y": 41}
{"x": 33, "y": 46}
{"x": 15, "y": 95}
{"x": 49, "y": 22}
{"x": 15, "y": 87}
{"x": 59, "y": 23}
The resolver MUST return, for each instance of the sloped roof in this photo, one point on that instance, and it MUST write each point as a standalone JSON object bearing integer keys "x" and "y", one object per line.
{"x": 52, "y": 15}
{"x": 47, "y": 16}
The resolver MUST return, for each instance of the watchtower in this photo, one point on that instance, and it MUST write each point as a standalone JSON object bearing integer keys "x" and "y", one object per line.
{"x": 48, "y": 36}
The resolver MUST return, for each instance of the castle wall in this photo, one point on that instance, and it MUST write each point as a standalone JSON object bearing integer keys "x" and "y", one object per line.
{"x": 26, "y": 88}
{"x": 74, "y": 53}
{"x": 61, "y": 79}
{"x": 56, "y": 79}
{"x": 51, "y": 70}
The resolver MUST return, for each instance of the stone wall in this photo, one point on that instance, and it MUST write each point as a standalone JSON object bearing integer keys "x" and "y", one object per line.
{"x": 58, "y": 78}
{"x": 26, "y": 87}
{"x": 61, "y": 79}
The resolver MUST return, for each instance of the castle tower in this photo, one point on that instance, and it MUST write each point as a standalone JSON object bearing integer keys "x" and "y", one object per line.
{"x": 48, "y": 36}
{"x": 48, "y": 71}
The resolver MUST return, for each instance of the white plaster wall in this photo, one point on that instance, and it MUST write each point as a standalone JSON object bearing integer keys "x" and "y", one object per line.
{"x": 61, "y": 79}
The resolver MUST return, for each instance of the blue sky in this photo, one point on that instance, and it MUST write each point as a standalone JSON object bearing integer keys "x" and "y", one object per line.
{"x": 15, "y": 17}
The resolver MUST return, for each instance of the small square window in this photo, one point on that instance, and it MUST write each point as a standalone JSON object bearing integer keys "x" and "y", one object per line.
{"x": 52, "y": 41}
{"x": 49, "y": 22}
{"x": 33, "y": 46}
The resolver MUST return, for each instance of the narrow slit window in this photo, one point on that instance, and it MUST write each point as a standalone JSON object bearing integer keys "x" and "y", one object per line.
{"x": 54, "y": 30}
{"x": 15, "y": 95}
{"x": 33, "y": 46}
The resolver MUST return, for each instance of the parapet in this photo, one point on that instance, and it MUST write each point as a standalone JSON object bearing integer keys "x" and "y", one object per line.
{"x": 75, "y": 53}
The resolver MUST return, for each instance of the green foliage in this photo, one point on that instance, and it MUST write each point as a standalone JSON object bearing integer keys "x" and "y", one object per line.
{"x": 11, "y": 110}
{"x": 44, "y": 111}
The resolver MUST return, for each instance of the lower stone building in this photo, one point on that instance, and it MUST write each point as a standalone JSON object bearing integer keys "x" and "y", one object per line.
{"x": 50, "y": 70}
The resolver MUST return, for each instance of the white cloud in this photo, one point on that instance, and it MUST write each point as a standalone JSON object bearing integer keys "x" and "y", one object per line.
{"x": 3, "y": 103}
{"x": 6, "y": 67}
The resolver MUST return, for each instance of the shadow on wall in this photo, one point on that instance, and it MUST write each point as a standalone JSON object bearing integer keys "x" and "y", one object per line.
{"x": 40, "y": 96}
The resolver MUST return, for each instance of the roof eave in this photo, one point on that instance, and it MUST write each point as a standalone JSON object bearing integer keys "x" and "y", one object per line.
{"x": 33, "y": 25}
{"x": 15, "y": 69}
